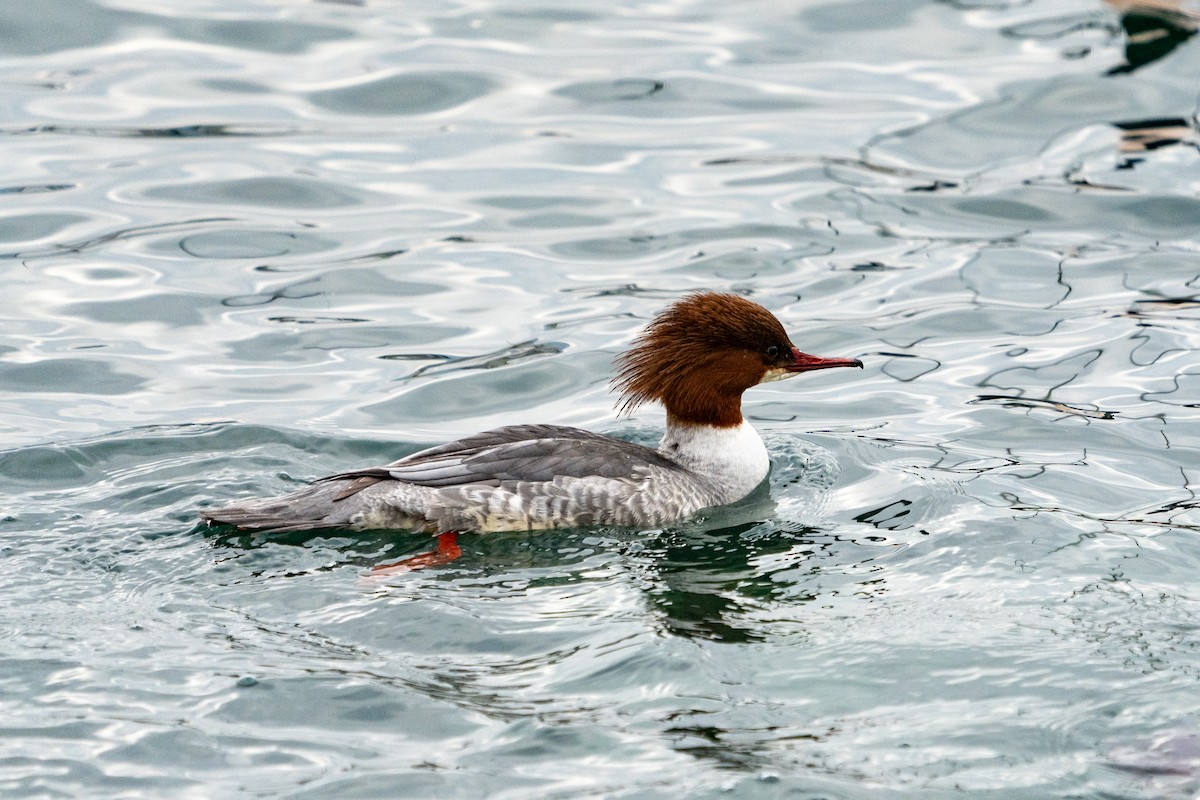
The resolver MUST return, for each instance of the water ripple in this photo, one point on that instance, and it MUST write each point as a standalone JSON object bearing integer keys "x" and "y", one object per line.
{"x": 249, "y": 245}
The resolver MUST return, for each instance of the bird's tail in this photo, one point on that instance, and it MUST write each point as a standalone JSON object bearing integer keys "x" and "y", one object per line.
{"x": 315, "y": 506}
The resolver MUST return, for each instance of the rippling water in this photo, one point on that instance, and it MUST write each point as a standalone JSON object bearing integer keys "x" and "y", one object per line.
{"x": 247, "y": 244}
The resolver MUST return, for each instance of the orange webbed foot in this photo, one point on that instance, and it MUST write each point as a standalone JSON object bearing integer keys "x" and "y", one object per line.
{"x": 447, "y": 551}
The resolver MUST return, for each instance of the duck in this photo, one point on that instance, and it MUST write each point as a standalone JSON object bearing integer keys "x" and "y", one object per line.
{"x": 696, "y": 358}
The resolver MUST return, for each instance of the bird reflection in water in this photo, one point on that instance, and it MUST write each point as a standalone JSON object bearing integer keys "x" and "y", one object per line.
{"x": 1153, "y": 29}
{"x": 727, "y": 577}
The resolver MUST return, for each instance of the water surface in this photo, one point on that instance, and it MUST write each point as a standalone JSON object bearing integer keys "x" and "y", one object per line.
{"x": 248, "y": 244}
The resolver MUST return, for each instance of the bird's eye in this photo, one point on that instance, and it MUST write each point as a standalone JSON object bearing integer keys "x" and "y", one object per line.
{"x": 773, "y": 351}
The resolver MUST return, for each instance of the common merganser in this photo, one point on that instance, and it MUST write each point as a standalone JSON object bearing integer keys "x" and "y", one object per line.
{"x": 696, "y": 357}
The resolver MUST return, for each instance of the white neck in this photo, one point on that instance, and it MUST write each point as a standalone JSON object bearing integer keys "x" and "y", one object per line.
{"x": 733, "y": 460}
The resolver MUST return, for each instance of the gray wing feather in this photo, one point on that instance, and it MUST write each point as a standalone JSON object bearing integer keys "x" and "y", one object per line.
{"x": 505, "y": 435}
{"x": 536, "y": 453}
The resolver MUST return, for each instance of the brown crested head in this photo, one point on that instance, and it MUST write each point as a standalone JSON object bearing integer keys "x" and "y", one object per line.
{"x": 699, "y": 355}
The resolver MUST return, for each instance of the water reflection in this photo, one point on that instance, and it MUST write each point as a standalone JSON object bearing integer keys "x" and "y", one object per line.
{"x": 493, "y": 360}
{"x": 727, "y": 584}
{"x": 750, "y": 748}
{"x": 748, "y": 583}
{"x": 1011, "y": 401}
{"x": 98, "y": 240}
{"x": 170, "y": 132}
{"x": 987, "y": 591}
{"x": 1163, "y": 766}
{"x": 1145, "y": 135}
{"x": 704, "y": 584}
{"x": 1153, "y": 29}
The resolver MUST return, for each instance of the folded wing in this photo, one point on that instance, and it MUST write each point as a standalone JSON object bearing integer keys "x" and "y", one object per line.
{"x": 522, "y": 453}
